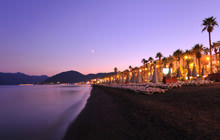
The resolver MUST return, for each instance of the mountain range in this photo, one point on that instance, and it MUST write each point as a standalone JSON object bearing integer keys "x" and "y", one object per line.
{"x": 63, "y": 77}
{"x": 20, "y": 78}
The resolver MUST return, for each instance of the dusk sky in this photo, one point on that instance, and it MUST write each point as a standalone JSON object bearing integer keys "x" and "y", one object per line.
{"x": 90, "y": 36}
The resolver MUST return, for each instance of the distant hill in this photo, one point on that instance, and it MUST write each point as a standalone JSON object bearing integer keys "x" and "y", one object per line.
{"x": 20, "y": 78}
{"x": 73, "y": 77}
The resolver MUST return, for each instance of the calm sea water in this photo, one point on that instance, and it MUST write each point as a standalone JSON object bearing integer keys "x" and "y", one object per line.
{"x": 41, "y": 112}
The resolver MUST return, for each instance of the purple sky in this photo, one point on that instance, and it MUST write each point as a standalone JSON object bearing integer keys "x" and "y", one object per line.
{"x": 50, "y": 36}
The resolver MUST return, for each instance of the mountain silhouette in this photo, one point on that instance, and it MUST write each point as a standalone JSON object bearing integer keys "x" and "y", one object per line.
{"x": 73, "y": 77}
{"x": 20, "y": 78}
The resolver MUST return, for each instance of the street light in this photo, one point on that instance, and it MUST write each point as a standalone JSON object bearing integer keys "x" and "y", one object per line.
{"x": 207, "y": 58}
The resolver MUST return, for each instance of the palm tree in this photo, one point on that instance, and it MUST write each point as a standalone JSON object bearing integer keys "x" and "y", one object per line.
{"x": 198, "y": 56}
{"x": 216, "y": 47}
{"x": 197, "y": 49}
{"x": 170, "y": 61}
{"x": 144, "y": 61}
{"x": 205, "y": 50}
{"x": 130, "y": 67}
{"x": 164, "y": 61}
{"x": 150, "y": 59}
{"x": 187, "y": 53}
{"x": 209, "y": 24}
{"x": 115, "y": 70}
{"x": 178, "y": 54}
{"x": 159, "y": 55}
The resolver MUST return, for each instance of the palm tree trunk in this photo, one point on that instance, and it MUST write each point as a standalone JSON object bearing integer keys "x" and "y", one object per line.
{"x": 176, "y": 64}
{"x": 216, "y": 61}
{"x": 219, "y": 59}
{"x": 199, "y": 67}
{"x": 183, "y": 64}
{"x": 210, "y": 50}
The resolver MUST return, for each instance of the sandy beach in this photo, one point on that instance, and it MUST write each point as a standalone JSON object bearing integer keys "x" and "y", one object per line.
{"x": 182, "y": 113}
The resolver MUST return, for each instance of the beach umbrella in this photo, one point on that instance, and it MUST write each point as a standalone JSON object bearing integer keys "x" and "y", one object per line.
{"x": 155, "y": 76}
{"x": 159, "y": 75}
{"x": 203, "y": 71}
{"x": 128, "y": 78}
{"x": 189, "y": 72}
{"x": 139, "y": 77}
{"x": 147, "y": 76}
{"x": 120, "y": 79}
{"x": 194, "y": 72}
{"x": 132, "y": 80}
{"x": 123, "y": 80}
{"x": 117, "y": 77}
{"x": 143, "y": 76}
{"x": 178, "y": 73}
{"x": 150, "y": 76}
{"x": 110, "y": 80}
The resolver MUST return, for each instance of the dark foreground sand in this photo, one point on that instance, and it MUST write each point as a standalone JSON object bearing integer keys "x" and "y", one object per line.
{"x": 115, "y": 114}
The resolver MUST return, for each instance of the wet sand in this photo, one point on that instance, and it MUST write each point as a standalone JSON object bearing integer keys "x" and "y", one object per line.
{"x": 117, "y": 114}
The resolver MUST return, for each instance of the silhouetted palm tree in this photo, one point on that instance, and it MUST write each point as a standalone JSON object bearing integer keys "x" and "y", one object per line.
{"x": 197, "y": 49}
{"x": 159, "y": 55}
{"x": 209, "y": 24}
{"x": 115, "y": 70}
{"x": 205, "y": 50}
{"x": 187, "y": 53}
{"x": 198, "y": 56}
{"x": 178, "y": 54}
{"x": 216, "y": 47}
{"x": 150, "y": 59}
{"x": 144, "y": 61}
{"x": 164, "y": 61}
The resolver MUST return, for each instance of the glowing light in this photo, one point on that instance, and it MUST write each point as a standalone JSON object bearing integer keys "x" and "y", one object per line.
{"x": 157, "y": 66}
{"x": 92, "y": 51}
{"x": 207, "y": 58}
{"x": 186, "y": 57}
{"x": 191, "y": 65}
{"x": 140, "y": 70}
{"x": 145, "y": 68}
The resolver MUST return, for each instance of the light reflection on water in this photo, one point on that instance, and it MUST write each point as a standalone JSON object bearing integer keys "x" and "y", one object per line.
{"x": 41, "y": 112}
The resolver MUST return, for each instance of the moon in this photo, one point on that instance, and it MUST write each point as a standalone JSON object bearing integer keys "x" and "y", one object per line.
{"x": 92, "y": 51}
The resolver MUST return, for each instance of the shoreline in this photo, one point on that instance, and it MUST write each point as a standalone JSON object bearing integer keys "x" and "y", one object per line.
{"x": 184, "y": 113}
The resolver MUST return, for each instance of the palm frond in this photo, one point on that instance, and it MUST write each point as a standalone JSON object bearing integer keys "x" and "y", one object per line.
{"x": 204, "y": 29}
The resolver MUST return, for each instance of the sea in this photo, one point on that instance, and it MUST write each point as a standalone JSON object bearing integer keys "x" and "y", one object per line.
{"x": 40, "y": 112}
